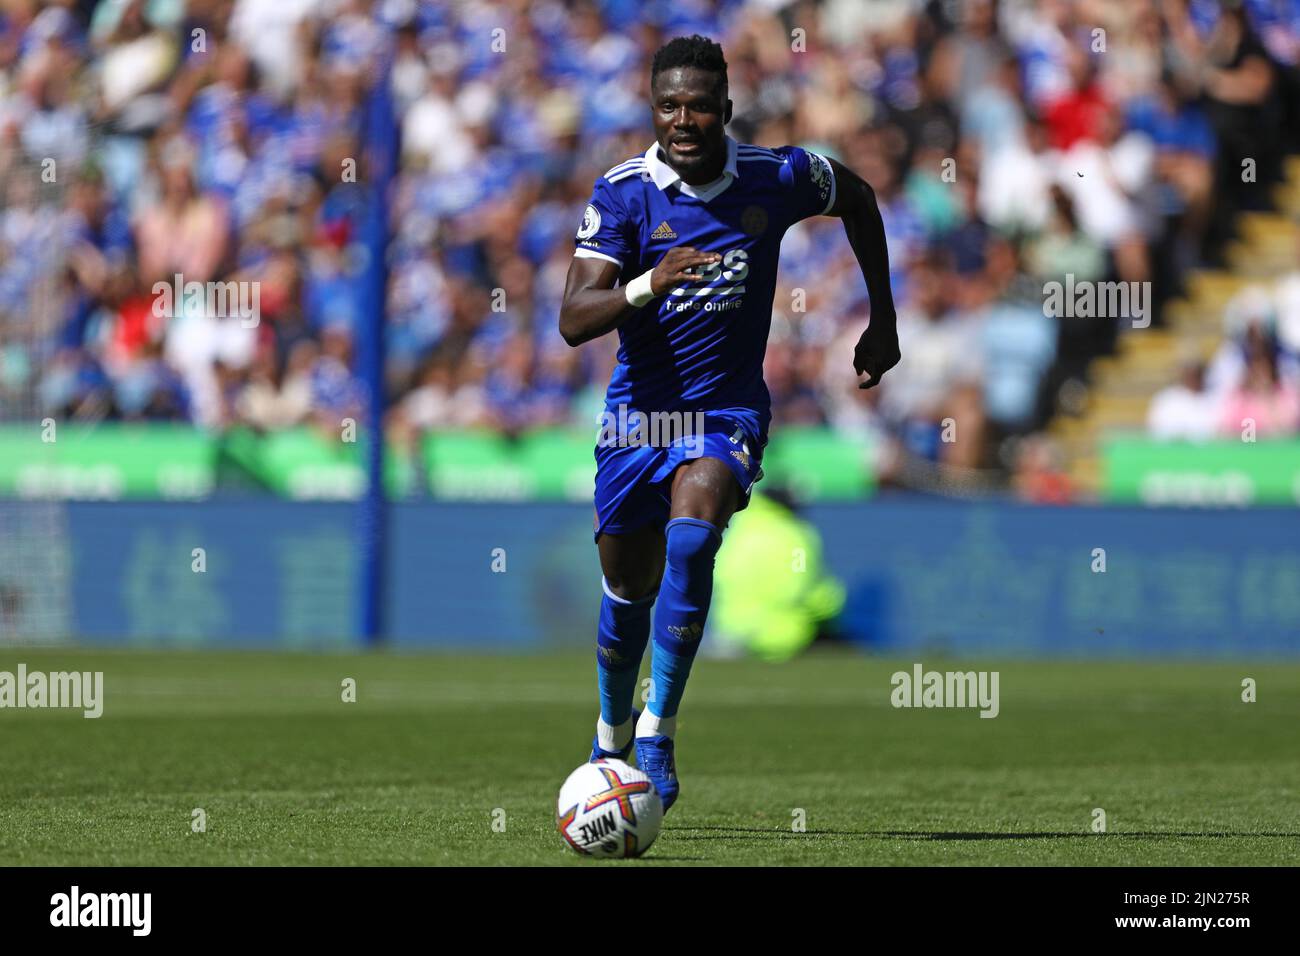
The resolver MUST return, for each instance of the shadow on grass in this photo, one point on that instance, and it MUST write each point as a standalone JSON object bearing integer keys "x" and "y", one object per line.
{"x": 755, "y": 833}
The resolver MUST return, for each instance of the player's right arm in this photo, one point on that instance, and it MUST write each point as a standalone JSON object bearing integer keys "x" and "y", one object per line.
{"x": 593, "y": 306}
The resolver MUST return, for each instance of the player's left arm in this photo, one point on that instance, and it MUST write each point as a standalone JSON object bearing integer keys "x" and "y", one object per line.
{"x": 855, "y": 203}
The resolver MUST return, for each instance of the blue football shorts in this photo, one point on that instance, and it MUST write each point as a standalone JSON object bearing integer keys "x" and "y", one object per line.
{"x": 634, "y": 481}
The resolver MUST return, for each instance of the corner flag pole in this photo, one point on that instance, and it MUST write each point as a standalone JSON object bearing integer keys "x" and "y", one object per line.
{"x": 380, "y": 145}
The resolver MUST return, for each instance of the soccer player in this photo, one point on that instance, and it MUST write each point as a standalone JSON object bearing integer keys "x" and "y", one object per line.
{"x": 678, "y": 251}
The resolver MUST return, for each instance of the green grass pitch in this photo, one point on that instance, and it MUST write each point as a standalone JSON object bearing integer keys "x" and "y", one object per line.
{"x": 438, "y": 748}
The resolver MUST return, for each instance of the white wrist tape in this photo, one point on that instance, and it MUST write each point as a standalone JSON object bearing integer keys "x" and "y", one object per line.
{"x": 639, "y": 291}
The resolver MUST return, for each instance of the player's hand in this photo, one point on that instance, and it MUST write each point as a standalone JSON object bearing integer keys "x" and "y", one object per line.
{"x": 680, "y": 265}
{"x": 876, "y": 352}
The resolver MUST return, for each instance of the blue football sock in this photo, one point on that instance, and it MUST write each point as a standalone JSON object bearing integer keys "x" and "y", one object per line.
{"x": 621, "y": 638}
{"x": 684, "y": 600}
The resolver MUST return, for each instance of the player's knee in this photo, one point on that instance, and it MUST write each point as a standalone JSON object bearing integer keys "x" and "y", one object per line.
{"x": 692, "y": 545}
{"x": 632, "y": 586}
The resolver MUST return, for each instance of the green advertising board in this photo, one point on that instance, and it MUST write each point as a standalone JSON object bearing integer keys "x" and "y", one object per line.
{"x": 114, "y": 460}
{"x": 1138, "y": 470}
{"x": 559, "y": 464}
{"x": 107, "y": 461}
{"x": 307, "y": 465}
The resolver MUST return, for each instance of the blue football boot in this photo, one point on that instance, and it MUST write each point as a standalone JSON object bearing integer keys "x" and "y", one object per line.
{"x": 654, "y": 755}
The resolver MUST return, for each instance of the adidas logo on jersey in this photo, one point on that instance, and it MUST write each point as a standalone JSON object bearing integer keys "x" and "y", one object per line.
{"x": 663, "y": 231}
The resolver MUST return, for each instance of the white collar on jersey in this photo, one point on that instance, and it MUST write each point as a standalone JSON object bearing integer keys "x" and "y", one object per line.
{"x": 665, "y": 176}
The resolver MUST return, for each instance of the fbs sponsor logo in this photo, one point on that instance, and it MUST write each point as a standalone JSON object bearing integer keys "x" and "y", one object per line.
{"x": 78, "y": 690}
{"x": 75, "y": 908}
{"x": 922, "y": 688}
{"x": 703, "y": 294}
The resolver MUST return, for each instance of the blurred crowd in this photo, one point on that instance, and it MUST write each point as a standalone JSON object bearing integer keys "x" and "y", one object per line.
{"x": 1009, "y": 143}
{"x": 1250, "y": 388}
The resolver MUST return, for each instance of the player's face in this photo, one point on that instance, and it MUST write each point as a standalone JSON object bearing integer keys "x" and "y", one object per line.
{"x": 690, "y": 109}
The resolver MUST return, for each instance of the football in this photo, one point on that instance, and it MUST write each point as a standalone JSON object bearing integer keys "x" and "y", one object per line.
{"x": 609, "y": 809}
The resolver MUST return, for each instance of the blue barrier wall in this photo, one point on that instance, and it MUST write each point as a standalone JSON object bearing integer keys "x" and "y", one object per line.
{"x": 923, "y": 576}
{"x": 274, "y": 573}
{"x": 1019, "y": 580}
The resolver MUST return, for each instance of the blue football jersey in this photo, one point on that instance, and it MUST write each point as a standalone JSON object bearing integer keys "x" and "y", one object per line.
{"x": 701, "y": 346}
